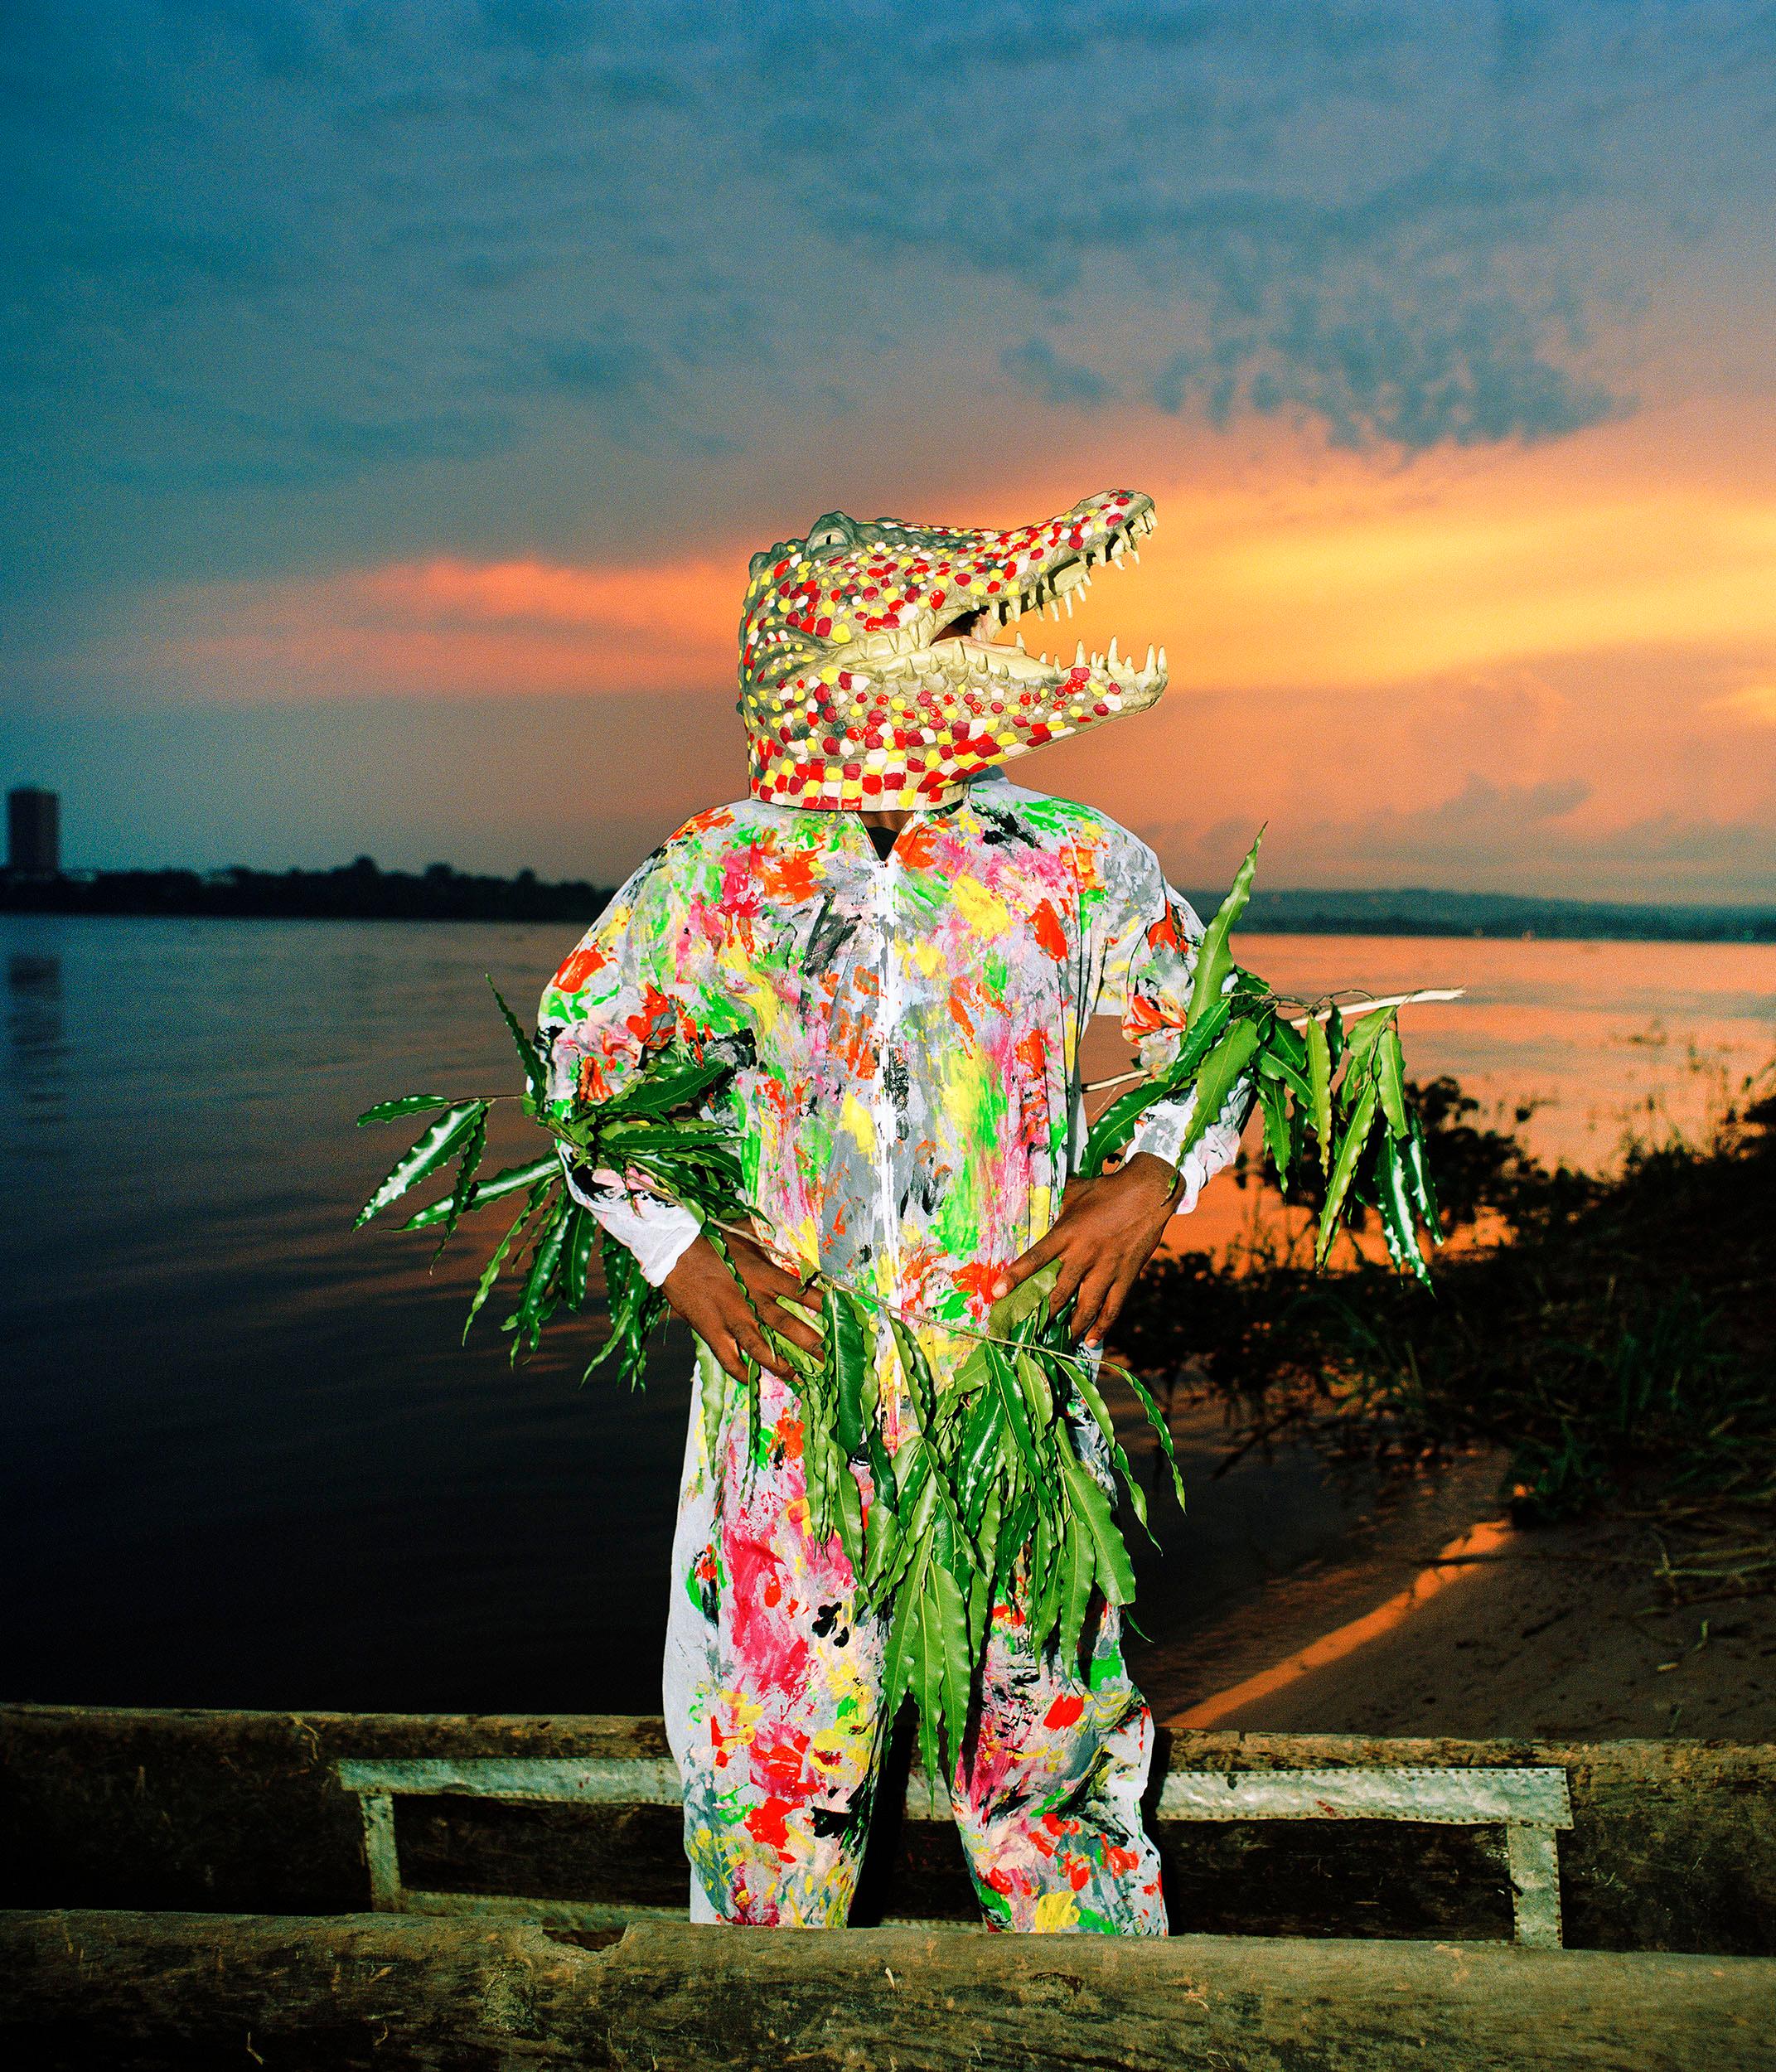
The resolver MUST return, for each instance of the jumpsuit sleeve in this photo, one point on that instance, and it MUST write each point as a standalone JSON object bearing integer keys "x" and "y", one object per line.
{"x": 1150, "y": 959}
{"x": 600, "y": 1016}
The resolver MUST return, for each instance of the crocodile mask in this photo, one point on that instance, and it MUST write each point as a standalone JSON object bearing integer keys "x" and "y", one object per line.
{"x": 870, "y": 677}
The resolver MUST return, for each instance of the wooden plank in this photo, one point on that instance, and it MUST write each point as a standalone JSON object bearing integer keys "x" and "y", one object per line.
{"x": 637, "y": 1780}
{"x": 150, "y": 1993}
{"x": 1463, "y": 1796}
{"x": 1672, "y": 1846}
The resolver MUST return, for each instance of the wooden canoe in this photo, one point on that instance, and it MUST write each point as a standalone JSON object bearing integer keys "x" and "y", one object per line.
{"x": 176, "y": 1878}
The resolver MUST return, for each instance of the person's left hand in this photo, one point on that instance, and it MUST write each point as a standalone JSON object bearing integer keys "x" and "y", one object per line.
{"x": 1105, "y": 1234}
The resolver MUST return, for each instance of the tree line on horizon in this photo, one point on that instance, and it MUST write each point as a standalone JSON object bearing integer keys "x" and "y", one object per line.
{"x": 362, "y": 890}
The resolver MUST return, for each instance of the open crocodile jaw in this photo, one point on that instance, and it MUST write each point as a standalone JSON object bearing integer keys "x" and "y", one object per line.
{"x": 1093, "y": 685}
{"x": 869, "y": 674}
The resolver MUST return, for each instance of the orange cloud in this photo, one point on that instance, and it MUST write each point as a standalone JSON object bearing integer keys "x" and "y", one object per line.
{"x": 1342, "y": 576}
{"x": 1754, "y": 705}
{"x": 447, "y": 627}
{"x": 1290, "y": 570}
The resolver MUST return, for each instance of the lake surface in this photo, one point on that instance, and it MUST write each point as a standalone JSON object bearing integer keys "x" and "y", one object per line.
{"x": 244, "y": 1459}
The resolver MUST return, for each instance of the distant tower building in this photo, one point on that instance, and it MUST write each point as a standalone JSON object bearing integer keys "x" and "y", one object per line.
{"x": 33, "y": 833}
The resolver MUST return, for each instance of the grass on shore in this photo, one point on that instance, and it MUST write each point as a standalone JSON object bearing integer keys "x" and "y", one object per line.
{"x": 1615, "y": 1339}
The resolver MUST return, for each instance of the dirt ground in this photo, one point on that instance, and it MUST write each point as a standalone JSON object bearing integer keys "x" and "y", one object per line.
{"x": 1561, "y": 1632}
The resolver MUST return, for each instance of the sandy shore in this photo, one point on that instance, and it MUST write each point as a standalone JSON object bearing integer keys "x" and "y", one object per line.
{"x": 1557, "y": 1633}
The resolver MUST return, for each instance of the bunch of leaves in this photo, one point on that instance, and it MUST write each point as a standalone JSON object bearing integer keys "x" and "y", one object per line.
{"x": 1312, "y": 1074}
{"x": 656, "y": 1133}
{"x": 989, "y": 1499}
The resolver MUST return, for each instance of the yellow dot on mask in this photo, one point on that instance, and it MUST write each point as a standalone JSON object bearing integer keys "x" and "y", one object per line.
{"x": 841, "y": 633}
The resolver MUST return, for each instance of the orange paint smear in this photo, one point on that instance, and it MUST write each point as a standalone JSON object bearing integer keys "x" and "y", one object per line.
{"x": 1483, "y": 1538}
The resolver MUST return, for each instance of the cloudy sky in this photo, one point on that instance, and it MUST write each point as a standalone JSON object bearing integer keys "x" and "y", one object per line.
{"x": 394, "y": 395}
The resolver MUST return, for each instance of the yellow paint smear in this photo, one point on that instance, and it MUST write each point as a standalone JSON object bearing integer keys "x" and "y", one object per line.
{"x": 1483, "y": 1538}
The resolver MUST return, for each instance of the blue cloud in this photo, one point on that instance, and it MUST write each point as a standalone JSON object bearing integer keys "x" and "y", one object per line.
{"x": 276, "y": 246}
{"x": 1066, "y": 383}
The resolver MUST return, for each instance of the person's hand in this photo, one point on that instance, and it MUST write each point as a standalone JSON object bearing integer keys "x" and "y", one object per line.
{"x": 702, "y": 1290}
{"x": 1105, "y": 1234}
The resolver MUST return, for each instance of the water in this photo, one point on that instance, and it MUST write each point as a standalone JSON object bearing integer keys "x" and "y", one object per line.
{"x": 244, "y": 1459}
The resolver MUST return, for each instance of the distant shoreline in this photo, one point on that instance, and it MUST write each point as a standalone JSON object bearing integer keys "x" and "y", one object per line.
{"x": 360, "y": 891}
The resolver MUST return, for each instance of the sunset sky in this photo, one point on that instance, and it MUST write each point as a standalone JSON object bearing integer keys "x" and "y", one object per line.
{"x": 395, "y": 393}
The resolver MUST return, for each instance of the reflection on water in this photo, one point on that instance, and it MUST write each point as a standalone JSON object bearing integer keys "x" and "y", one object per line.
{"x": 244, "y": 1460}
{"x": 36, "y": 1034}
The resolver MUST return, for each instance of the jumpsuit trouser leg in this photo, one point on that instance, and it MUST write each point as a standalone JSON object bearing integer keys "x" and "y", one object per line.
{"x": 773, "y": 1703}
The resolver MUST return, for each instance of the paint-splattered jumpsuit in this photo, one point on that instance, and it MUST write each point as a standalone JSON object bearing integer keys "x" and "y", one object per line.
{"x": 909, "y": 1122}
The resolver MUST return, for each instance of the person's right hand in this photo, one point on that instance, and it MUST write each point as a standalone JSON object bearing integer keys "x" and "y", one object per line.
{"x": 702, "y": 1290}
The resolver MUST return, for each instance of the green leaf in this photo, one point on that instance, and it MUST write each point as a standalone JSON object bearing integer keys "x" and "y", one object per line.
{"x": 1038, "y": 1396}
{"x": 1363, "y": 1039}
{"x": 1274, "y": 1066}
{"x": 1285, "y": 1044}
{"x": 850, "y": 1518}
{"x": 632, "y": 1304}
{"x": 850, "y": 1353}
{"x": 974, "y": 1469}
{"x": 1106, "y": 1424}
{"x": 1047, "y": 1574}
{"x": 1214, "y": 961}
{"x": 903, "y": 1631}
{"x": 1079, "y": 1571}
{"x": 474, "y": 1145}
{"x": 1319, "y": 1082}
{"x": 711, "y": 1399}
{"x": 536, "y": 1078}
{"x": 659, "y": 1091}
{"x": 1115, "y": 1572}
{"x": 536, "y": 1302}
{"x": 1162, "y": 1431}
{"x": 490, "y": 1271}
{"x": 1356, "y": 1131}
{"x": 1396, "y": 1205}
{"x": 928, "y": 1684}
{"x": 1113, "y": 1129}
{"x": 1029, "y": 1298}
{"x": 1222, "y": 1069}
{"x": 1335, "y": 1033}
{"x": 1016, "y": 1409}
{"x": 408, "y": 1104}
{"x": 1417, "y": 1156}
{"x": 950, "y": 1601}
{"x": 1275, "y": 1101}
{"x": 441, "y": 1142}
{"x": 583, "y": 1238}
{"x": 1390, "y": 1069}
{"x": 917, "y": 1370}
{"x": 512, "y": 1181}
